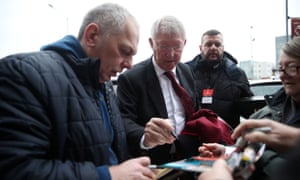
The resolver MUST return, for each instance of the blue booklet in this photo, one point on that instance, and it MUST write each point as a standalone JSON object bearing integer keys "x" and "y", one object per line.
{"x": 193, "y": 164}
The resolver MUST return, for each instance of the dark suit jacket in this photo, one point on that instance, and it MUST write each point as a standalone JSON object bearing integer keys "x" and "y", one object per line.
{"x": 140, "y": 98}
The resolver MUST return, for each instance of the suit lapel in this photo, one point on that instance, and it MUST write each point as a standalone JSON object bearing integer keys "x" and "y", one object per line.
{"x": 186, "y": 80}
{"x": 155, "y": 93}
{"x": 182, "y": 79}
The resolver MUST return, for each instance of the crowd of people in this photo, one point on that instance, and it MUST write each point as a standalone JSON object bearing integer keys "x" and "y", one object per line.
{"x": 60, "y": 117}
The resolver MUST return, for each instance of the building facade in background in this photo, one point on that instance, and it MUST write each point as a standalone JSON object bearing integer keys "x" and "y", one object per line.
{"x": 263, "y": 69}
{"x": 258, "y": 69}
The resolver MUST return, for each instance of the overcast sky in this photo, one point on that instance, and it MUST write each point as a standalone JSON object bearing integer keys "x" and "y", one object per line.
{"x": 28, "y": 24}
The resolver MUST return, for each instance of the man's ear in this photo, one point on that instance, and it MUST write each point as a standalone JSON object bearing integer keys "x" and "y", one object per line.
{"x": 151, "y": 42}
{"x": 92, "y": 35}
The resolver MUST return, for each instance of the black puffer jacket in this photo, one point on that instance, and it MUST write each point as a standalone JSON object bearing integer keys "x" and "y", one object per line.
{"x": 228, "y": 81}
{"x": 50, "y": 121}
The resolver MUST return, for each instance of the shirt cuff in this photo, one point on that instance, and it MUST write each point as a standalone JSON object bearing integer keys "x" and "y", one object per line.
{"x": 142, "y": 144}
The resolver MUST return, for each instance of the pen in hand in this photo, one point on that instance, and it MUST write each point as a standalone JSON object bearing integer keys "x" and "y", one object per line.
{"x": 265, "y": 129}
{"x": 241, "y": 143}
{"x": 173, "y": 134}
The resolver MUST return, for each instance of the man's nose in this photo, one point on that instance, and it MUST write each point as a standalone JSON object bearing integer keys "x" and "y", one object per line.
{"x": 127, "y": 64}
{"x": 171, "y": 52}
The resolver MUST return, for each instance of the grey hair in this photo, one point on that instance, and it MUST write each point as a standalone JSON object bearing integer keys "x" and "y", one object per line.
{"x": 169, "y": 25}
{"x": 109, "y": 16}
{"x": 292, "y": 48}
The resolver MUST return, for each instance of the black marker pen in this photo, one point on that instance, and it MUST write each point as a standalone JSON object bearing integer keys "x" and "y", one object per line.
{"x": 173, "y": 134}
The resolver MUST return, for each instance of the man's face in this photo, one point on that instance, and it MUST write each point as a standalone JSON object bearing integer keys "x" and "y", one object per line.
{"x": 116, "y": 52}
{"x": 212, "y": 47}
{"x": 167, "y": 50}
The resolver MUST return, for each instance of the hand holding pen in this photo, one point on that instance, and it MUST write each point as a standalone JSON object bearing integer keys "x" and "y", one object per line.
{"x": 158, "y": 131}
{"x": 277, "y": 135}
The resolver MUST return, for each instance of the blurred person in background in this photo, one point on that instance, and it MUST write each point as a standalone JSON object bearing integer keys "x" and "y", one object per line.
{"x": 220, "y": 83}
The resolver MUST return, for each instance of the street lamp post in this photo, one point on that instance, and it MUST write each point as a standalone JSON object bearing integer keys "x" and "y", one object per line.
{"x": 287, "y": 20}
{"x": 252, "y": 39}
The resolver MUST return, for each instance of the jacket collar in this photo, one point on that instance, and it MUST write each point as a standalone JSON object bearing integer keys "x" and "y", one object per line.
{"x": 86, "y": 69}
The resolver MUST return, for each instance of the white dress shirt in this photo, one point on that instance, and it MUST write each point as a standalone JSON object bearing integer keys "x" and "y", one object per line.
{"x": 175, "y": 110}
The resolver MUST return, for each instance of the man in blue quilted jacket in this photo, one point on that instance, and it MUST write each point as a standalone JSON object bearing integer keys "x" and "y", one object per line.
{"x": 58, "y": 113}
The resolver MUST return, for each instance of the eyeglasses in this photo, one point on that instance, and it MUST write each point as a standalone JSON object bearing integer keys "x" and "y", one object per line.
{"x": 289, "y": 70}
{"x": 177, "y": 48}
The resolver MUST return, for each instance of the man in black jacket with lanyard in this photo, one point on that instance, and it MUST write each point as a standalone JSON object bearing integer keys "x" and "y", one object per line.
{"x": 219, "y": 81}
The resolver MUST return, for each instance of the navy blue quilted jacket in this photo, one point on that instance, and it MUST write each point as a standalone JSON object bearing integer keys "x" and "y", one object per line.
{"x": 50, "y": 122}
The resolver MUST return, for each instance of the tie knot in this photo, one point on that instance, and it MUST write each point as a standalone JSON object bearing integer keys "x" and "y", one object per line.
{"x": 170, "y": 74}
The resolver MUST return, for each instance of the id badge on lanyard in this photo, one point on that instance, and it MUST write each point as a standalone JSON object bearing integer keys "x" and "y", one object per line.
{"x": 207, "y": 96}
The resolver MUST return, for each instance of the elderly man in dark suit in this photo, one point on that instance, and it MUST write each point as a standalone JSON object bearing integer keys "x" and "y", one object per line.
{"x": 148, "y": 102}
